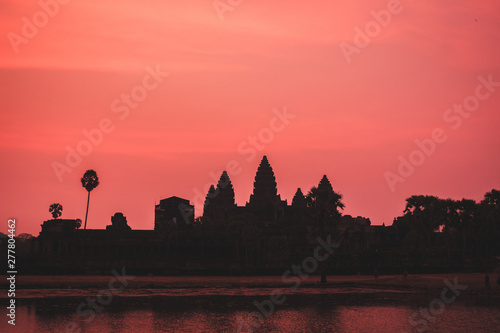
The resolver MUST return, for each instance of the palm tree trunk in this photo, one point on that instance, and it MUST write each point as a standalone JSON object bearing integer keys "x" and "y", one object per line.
{"x": 324, "y": 263}
{"x": 87, "y": 212}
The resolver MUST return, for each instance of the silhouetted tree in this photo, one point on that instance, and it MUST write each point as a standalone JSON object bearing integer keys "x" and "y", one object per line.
{"x": 426, "y": 214}
{"x": 56, "y": 210}
{"x": 90, "y": 182}
{"x": 466, "y": 212}
{"x": 469, "y": 231}
{"x": 325, "y": 206}
{"x": 24, "y": 237}
{"x": 492, "y": 198}
{"x": 24, "y": 243}
{"x": 488, "y": 227}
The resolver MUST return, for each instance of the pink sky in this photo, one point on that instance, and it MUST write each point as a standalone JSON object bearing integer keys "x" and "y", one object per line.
{"x": 352, "y": 120}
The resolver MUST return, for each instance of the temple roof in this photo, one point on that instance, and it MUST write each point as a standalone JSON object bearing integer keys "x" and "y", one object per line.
{"x": 298, "y": 199}
{"x": 226, "y": 190}
{"x": 325, "y": 184}
{"x": 265, "y": 187}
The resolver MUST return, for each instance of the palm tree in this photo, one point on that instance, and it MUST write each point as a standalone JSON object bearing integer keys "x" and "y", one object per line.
{"x": 55, "y": 209}
{"x": 325, "y": 205}
{"x": 90, "y": 182}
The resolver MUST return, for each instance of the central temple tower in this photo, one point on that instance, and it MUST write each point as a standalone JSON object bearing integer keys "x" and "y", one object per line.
{"x": 265, "y": 201}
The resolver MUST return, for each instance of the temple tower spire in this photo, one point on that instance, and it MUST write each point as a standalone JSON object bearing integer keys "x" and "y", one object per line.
{"x": 325, "y": 184}
{"x": 225, "y": 191}
{"x": 264, "y": 186}
{"x": 265, "y": 201}
{"x": 299, "y": 201}
{"x": 219, "y": 202}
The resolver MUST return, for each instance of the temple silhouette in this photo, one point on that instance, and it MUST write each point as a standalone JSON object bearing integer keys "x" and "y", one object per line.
{"x": 261, "y": 237}
{"x": 265, "y": 202}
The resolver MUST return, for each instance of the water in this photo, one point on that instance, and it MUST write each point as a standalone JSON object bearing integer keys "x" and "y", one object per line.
{"x": 191, "y": 307}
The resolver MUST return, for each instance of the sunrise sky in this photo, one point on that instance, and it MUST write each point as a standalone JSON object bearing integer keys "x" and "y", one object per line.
{"x": 231, "y": 70}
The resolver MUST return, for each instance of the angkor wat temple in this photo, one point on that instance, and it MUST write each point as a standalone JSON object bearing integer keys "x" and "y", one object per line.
{"x": 265, "y": 202}
{"x": 264, "y": 236}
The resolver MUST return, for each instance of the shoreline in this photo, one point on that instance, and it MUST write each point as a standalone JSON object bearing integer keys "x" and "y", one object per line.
{"x": 392, "y": 286}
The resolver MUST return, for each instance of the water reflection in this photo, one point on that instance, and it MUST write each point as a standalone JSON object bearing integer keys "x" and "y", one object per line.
{"x": 220, "y": 314}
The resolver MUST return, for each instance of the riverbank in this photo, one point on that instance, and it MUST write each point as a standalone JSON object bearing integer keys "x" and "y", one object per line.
{"x": 150, "y": 286}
